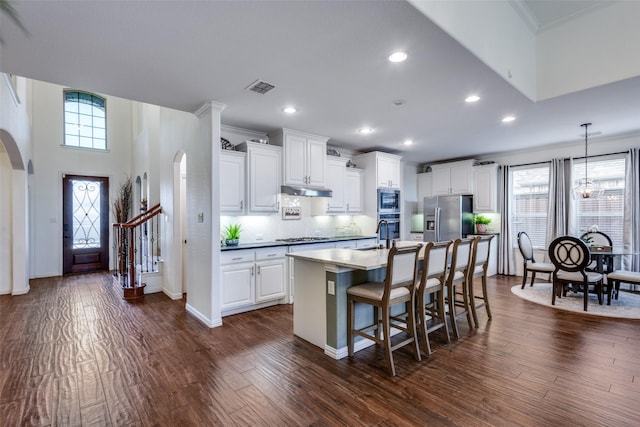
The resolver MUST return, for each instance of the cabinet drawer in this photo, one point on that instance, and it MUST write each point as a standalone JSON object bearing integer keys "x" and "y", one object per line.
{"x": 271, "y": 253}
{"x": 236, "y": 256}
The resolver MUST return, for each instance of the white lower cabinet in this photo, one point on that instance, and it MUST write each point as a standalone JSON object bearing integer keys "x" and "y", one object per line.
{"x": 252, "y": 279}
{"x": 237, "y": 285}
{"x": 271, "y": 277}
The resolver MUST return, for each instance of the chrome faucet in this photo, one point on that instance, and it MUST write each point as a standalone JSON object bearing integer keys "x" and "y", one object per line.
{"x": 388, "y": 240}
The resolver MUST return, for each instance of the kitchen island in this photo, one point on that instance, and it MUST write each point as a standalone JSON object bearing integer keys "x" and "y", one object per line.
{"x": 321, "y": 280}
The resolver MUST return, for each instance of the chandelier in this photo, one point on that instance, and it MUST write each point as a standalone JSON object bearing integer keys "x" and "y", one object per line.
{"x": 586, "y": 188}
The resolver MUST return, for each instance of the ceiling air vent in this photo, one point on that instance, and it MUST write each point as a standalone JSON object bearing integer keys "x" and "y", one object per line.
{"x": 260, "y": 86}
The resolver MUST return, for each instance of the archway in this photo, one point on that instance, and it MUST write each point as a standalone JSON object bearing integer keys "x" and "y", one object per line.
{"x": 14, "y": 237}
{"x": 179, "y": 219}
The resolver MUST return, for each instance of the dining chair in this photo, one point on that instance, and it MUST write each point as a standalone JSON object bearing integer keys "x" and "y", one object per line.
{"x": 459, "y": 275}
{"x": 398, "y": 288}
{"x": 480, "y": 266}
{"x": 431, "y": 308}
{"x": 614, "y": 279}
{"x": 530, "y": 264}
{"x": 571, "y": 256}
{"x": 598, "y": 238}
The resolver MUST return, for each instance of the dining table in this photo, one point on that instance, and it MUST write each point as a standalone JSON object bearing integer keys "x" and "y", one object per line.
{"x": 606, "y": 258}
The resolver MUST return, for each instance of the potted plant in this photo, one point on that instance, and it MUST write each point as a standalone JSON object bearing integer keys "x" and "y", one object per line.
{"x": 481, "y": 223}
{"x": 232, "y": 234}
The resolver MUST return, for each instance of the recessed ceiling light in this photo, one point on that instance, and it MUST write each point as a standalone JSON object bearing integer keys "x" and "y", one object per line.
{"x": 508, "y": 119}
{"x": 397, "y": 57}
{"x": 365, "y": 131}
{"x": 289, "y": 110}
{"x": 399, "y": 102}
{"x": 472, "y": 98}
{"x": 408, "y": 142}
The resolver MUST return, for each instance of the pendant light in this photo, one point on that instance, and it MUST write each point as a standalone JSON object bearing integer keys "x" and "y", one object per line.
{"x": 586, "y": 188}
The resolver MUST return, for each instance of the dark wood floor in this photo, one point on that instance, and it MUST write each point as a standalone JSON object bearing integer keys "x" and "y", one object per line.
{"x": 74, "y": 353}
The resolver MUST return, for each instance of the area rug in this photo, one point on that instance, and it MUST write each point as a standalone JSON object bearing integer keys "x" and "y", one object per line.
{"x": 627, "y": 305}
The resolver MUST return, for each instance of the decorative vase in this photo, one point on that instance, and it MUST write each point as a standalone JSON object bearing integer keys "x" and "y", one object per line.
{"x": 481, "y": 228}
{"x": 232, "y": 242}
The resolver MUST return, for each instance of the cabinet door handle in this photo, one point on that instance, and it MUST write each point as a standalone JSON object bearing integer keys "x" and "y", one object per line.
{"x": 241, "y": 204}
{"x": 272, "y": 254}
{"x": 258, "y": 269}
{"x": 236, "y": 258}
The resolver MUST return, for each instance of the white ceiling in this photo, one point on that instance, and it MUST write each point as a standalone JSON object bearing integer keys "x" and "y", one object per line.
{"x": 328, "y": 58}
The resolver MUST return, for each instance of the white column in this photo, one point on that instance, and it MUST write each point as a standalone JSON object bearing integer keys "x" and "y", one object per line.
{"x": 20, "y": 233}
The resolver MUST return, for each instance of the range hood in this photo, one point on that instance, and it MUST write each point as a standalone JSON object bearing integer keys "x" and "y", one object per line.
{"x": 294, "y": 190}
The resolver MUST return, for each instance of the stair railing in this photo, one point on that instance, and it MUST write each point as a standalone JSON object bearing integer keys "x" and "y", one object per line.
{"x": 136, "y": 245}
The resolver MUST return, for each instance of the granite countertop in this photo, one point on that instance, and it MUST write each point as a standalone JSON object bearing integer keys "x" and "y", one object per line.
{"x": 367, "y": 259}
{"x": 256, "y": 245}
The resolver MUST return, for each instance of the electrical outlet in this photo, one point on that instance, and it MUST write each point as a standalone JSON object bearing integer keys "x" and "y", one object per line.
{"x": 331, "y": 287}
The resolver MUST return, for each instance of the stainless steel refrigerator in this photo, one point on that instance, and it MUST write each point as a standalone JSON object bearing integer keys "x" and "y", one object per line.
{"x": 447, "y": 217}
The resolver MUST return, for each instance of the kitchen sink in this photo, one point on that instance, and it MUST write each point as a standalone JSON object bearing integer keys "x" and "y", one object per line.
{"x": 371, "y": 248}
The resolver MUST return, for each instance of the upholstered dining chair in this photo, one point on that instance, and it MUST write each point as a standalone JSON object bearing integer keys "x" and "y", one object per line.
{"x": 431, "y": 288}
{"x": 530, "y": 264}
{"x": 614, "y": 279}
{"x": 460, "y": 275}
{"x": 571, "y": 256}
{"x": 480, "y": 266}
{"x": 399, "y": 287}
{"x": 598, "y": 238}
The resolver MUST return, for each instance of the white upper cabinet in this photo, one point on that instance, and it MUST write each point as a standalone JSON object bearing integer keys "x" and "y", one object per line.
{"x": 452, "y": 178}
{"x": 380, "y": 170}
{"x": 425, "y": 185}
{"x": 385, "y": 168}
{"x": 232, "y": 182}
{"x": 264, "y": 166}
{"x": 336, "y": 182}
{"x": 485, "y": 188}
{"x": 388, "y": 171}
{"x": 304, "y": 157}
{"x": 353, "y": 190}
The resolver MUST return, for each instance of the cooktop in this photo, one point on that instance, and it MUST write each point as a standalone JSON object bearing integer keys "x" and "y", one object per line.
{"x": 301, "y": 239}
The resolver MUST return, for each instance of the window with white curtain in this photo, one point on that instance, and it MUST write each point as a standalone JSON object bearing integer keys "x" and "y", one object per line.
{"x": 530, "y": 201}
{"x": 607, "y": 211}
{"x": 84, "y": 120}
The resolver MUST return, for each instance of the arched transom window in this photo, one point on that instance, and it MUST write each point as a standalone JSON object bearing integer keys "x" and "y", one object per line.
{"x": 84, "y": 120}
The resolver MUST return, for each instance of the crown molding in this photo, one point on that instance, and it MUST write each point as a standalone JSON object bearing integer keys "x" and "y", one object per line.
{"x": 208, "y": 106}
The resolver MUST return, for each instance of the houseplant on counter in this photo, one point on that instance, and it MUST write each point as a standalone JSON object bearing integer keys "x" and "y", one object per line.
{"x": 481, "y": 223}
{"x": 232, "y": 234}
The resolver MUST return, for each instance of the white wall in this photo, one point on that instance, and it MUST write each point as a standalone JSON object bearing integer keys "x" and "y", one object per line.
{"x": 6, "y": 236}
{"x": 493, "y": 31}
{"x": 164, "y": 136}
{"x": 15, "y": 139}
{"x": 587, "y": 51}
{"x": 51, "y": 160}
{"x": 575, "y": 149}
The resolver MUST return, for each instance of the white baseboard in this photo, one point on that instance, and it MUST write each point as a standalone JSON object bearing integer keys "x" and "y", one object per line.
{"x": 21, "y": 291}
{"x": 343, "y": 352}
{"x": 172, "y": 295}
{"x": 211, "y": 323}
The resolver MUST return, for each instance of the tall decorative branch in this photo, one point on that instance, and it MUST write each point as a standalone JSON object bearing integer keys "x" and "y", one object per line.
{"x": 122, "y": 203}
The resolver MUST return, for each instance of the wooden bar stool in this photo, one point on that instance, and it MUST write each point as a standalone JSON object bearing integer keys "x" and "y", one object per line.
{"x": 398, "y": 288}
{"x": 460, "y": 275}
{"x": 480, "y": 265}
{"x": 432, "y": 313}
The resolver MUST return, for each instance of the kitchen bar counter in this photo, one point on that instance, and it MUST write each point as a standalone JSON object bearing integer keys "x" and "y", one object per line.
{"x": 256, "y": 245}
{"x": 320, "y": 283}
